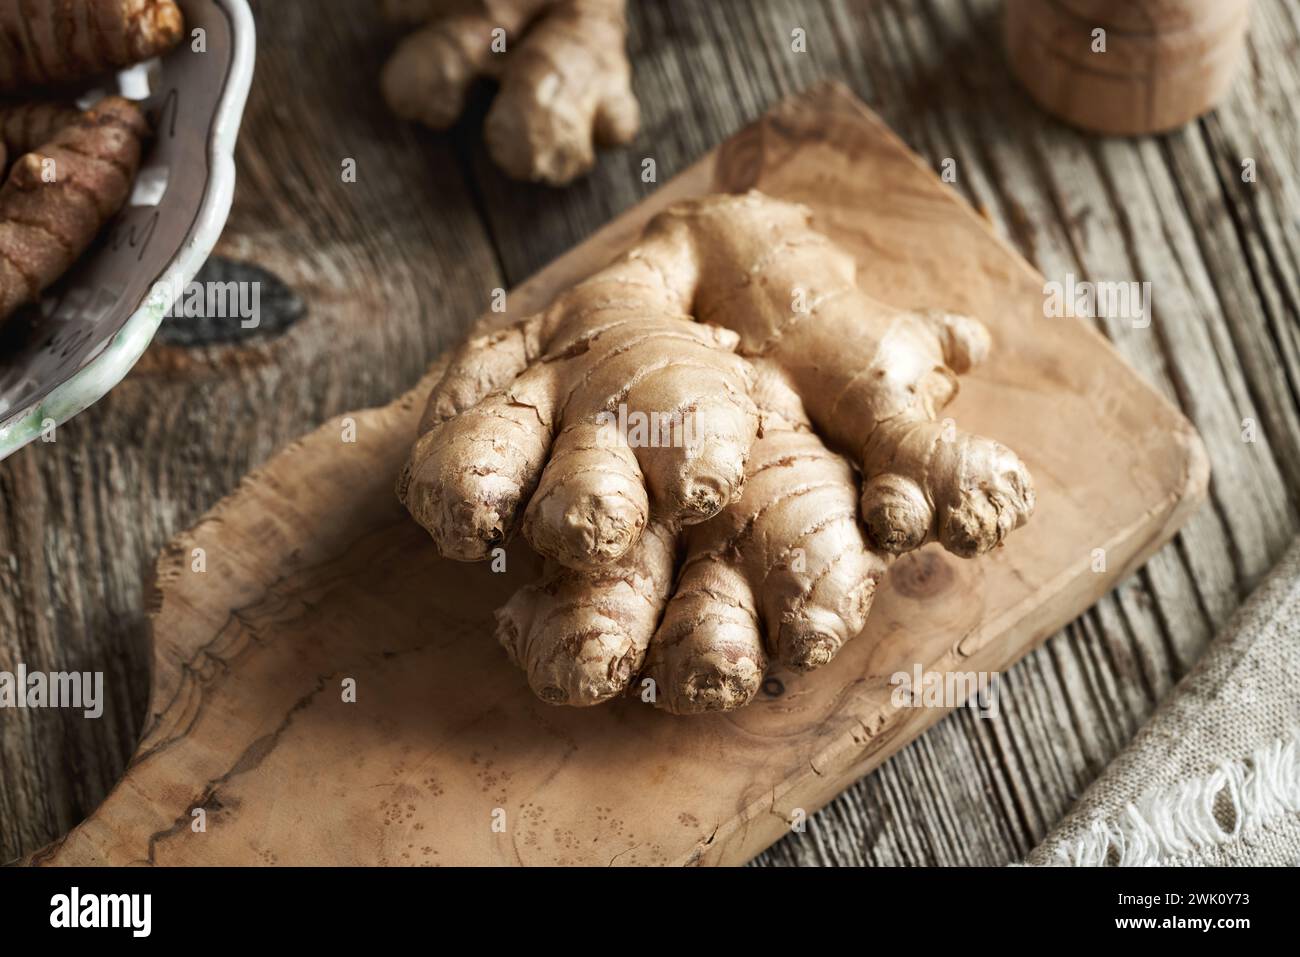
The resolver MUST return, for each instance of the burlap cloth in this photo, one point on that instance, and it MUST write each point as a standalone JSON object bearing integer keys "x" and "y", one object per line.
{"x": 1214, "y": 777}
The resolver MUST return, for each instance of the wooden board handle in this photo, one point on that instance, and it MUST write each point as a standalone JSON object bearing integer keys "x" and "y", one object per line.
{"x": 1146, "y": 73}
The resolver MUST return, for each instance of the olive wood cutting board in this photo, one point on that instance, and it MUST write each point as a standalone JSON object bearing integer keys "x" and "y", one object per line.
{"x": 310, "y": 577}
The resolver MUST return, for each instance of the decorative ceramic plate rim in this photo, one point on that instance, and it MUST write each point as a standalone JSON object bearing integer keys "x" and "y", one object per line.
{"x": 94, "y": 381}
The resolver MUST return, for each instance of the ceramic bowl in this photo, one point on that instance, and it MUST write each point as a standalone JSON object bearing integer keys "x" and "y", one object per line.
{"x": 91, "y": 327}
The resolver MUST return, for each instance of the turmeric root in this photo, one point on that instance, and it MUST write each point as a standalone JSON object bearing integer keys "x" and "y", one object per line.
{"x": 56, "y": 199}
{"x": 788, "y": 568}
{"x": 50, "y": 43}
{"x": 563, "y": 71}
{"x": 25, "y": 126}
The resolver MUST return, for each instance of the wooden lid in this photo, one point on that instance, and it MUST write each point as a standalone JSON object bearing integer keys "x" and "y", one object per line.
{"x": 1148, "y": 16}
{"x": 1136, "y": 87}
{"x": 1063, "y": 34}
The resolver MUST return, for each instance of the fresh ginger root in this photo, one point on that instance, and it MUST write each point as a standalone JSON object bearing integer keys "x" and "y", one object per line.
{"x": 872, "y": 378}
{"x": 783, "y": 573}
{"x": 57, "y": 198}
{"x": 565, "y": 81}
{"x": 63, "y": 42}
{"x": 535, "y": 438}
{"x": 787, "y": 570}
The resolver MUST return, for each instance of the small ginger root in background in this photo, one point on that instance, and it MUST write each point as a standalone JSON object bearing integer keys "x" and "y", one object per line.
{"x": 55, "y": 43}
{"x": 782, "y": 557}
{"x": 58, "y": 197}
{"x": 565, "y": 81}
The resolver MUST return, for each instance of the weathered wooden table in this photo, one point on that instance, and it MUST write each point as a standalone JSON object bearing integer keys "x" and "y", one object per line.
{"x": 392, "y": 267}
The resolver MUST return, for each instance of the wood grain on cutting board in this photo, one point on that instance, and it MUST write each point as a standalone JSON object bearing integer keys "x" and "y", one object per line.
{"x": 314, "y": 575}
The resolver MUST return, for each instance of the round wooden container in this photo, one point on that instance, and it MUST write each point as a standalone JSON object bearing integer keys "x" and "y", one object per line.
{"x": 1165, "y": 62}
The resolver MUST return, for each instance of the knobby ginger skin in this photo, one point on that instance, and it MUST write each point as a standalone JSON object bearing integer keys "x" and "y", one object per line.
{"x": 782, "y": 573}
{"x": 697, "y": 566}
{"x": 871, "y": 377}
{"x": 64, "y": 42}
{"x": 565, "y": 80}
{"x": 512, "y": 435}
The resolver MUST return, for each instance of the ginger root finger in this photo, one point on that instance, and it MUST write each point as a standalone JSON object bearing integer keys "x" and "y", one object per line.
{"x": 681, "y": 398}
{"x": 987, "y": 492}
{"x": 591, "y": 504}
{"x": 694, "y": 456}
{"x": 801, "y": 535}
{"x": 469, "y": 507}
{"x": 782, "y": 574}
{"x": 63, "y": 43}
{"x": 581, "y": 636}
{"x": 56, "y": 200}
{"x": 467, "y": 478}
{"x": 707, "y": 654}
